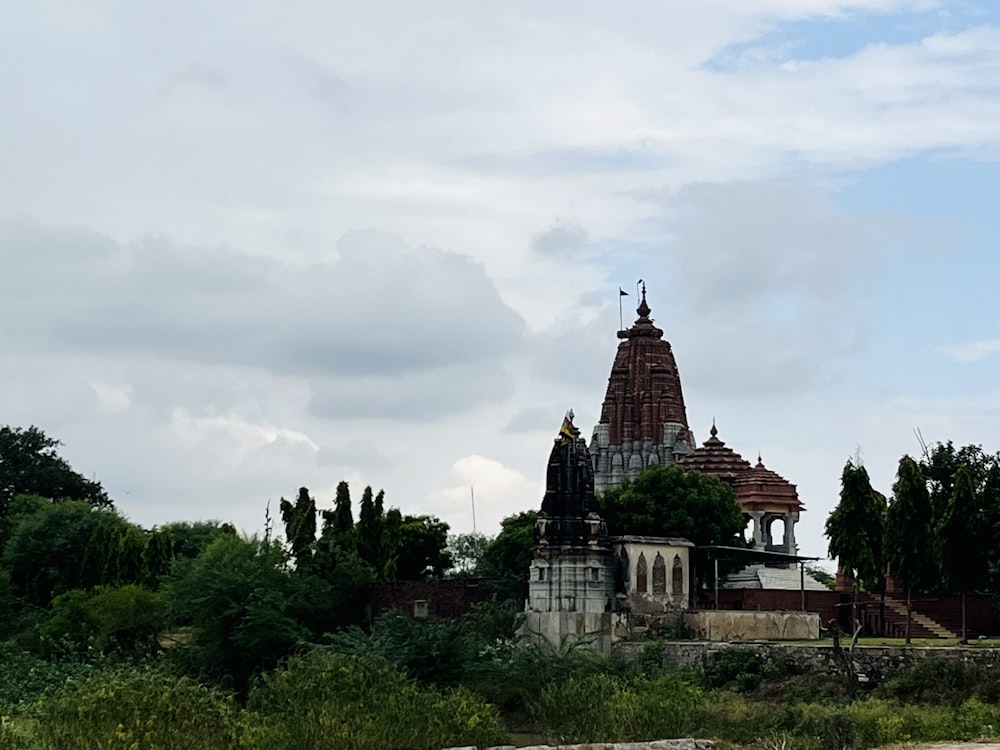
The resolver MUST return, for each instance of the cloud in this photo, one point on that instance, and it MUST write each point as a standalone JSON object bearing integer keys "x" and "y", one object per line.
{"x": 562, "y": 241}
{"x": 971, "y": 351}
{"x": 358, "y": 325}
{"x": 769, "y": 281}
{"x": 499, "y": 491}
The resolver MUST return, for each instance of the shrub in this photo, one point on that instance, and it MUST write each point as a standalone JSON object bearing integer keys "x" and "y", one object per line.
{"x": 604, "y": 708}
{"x": 324, "y": 699}
{"x": 941, "y": 682}
{"x": 739, "y": 669}
{"x": 136, "y": 709}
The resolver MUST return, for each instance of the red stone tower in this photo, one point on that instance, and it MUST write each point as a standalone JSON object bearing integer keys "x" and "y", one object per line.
{"x": 643, "y": 419}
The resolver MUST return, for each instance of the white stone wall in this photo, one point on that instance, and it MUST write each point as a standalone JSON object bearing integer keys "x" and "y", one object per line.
{"x": 578, "y": 582}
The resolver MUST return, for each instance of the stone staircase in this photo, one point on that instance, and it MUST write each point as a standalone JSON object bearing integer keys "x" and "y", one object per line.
{"x": 918, "y": 621}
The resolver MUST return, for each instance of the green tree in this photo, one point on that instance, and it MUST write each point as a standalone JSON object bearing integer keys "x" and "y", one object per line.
{"x": 422, "y": 552}
{"x": 125, "y": 619}
{"x": 236, "y": 595}
{"x": 909, "y": 533}
{"x": 856, "y": 530}
{"x": 959, "y": 541}
{"x": 50, "y": 551}
{"x": 666, "y": 500}
{"x": 341, "y": 518}
{"x": 300, "y": 523}
{"x": 507, "y": 558}
{"x": 191, "y": 538}
{"x": 30, "y": 465}
{"x": 466, "y": 551}
{"x": 157, "y": 556}
{"x": 371, "y": 521}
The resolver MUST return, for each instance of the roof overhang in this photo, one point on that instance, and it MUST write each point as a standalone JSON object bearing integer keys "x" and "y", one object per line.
{"x": 748, "y": 556}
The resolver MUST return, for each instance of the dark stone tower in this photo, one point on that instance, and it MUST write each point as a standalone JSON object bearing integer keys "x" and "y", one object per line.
{"x": 571, "y": 579}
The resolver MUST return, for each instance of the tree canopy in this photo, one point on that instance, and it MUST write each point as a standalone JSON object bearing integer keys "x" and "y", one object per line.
{"x": 666, "y": 500}
{"x": 30, "y": 465}
{"x": 856, "y": 527}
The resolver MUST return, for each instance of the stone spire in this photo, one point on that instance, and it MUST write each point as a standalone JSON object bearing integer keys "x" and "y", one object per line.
{"x": 643, "y": 419}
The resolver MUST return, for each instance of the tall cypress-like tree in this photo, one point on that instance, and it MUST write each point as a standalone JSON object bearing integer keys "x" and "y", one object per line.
{"x": 300, "y": 523}
{"x": 369, "y": 528}
{"x": 343, "y": 521}
{"x": 959, "y": 541}
{"x": 856, "y": 530}
{"x": 910, "y": 533}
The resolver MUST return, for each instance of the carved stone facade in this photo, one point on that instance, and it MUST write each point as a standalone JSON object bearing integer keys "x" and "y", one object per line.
{"x": 643, "y": 419}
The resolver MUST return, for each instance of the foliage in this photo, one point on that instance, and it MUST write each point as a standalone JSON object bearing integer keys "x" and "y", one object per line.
{"x": 422, "y": 551}
{"x": 30, "y": 465}
{"x": 191, "y": 538}
{"x": 909, "y": 530}
{"x": 600, "y": 707}
{"x": 125, "y": 619}
{"x": 466, "y": 552}
{"x": 666, "y": 500}
{"x": 236, "y": 596}
{"x": 300, "y": 522}
{"x": 856, "y": 528}
{"x": 507, "y": 558}
{"x": 509, "y": 673}
{"x": 135, "y": 709}
{"x": 323, "y": 699}
{"x": 61, "y": 546}
{"x": 435, "y": 653}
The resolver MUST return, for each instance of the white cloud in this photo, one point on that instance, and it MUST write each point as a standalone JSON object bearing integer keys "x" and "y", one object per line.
{"x": 971, "y": 351}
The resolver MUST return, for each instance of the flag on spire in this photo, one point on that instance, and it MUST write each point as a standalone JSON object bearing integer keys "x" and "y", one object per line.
{"x": 622, "y": 292}
{"x": 567, "y": 428}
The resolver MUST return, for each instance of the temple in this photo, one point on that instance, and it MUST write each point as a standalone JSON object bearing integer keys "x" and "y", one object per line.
{"x": 571, "y": 585}
{"x": 643, "y": 419}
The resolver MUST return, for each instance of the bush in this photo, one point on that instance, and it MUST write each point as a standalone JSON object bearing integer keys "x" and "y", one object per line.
{"x": 510, "y": 674}
{"x": 941, "y": 682}
{"x": 324, "y": 699}
{"x": 603, "y": 708}
{"x": 135, "y": 709}
{"x": 739, "y": 669}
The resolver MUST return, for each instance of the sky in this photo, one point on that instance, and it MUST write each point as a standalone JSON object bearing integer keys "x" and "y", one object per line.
{"x": 250, "y": 247}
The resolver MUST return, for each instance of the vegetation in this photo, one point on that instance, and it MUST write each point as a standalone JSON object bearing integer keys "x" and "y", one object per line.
{"x": 192, "y": 635}
{"x": 666, "y": 500}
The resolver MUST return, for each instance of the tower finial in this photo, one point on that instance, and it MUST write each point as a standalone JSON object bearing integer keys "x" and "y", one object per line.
{"x": 643, "y": 308}
{"x": 713, "y": 431}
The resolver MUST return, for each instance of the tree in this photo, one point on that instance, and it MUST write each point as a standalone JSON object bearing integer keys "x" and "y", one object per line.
{"x": 507, "y": 558}
{"x": 856, "y": 530}
{"x": 30, "y": 465}
{"x": 341, "y": 518}
{"x": 236, "y": 595}
{"x": 191, "y": 538}
{"x": 959, "y": 537}
{"x": 422, "y": 551}
{"x": 909, "y": 533}
{"x": 666, "y": 500}
{"x": 466, "y": 551}
{"x": 61, "y": 546}
{"x": 300, "y": 522}
{"x": 369, "y": 530}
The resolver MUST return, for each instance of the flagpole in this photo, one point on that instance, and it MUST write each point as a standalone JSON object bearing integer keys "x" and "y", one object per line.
{"x": 472, "y": 491}
{"x": 621, "y": 322}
